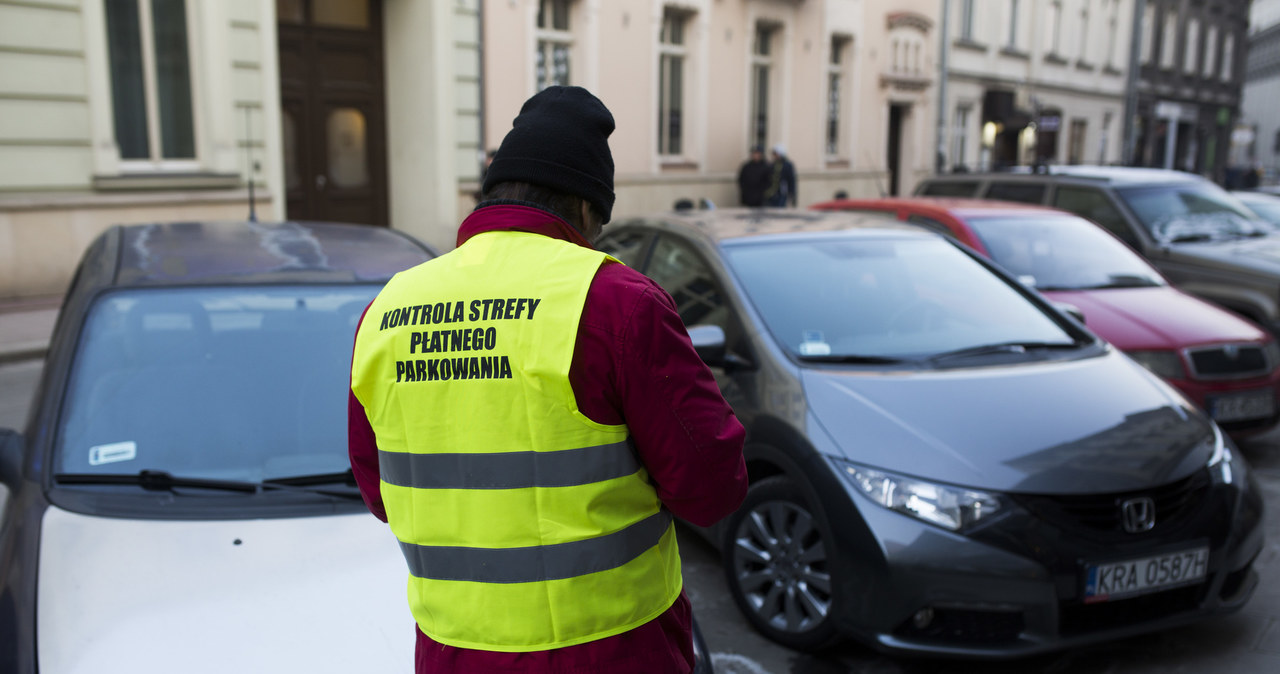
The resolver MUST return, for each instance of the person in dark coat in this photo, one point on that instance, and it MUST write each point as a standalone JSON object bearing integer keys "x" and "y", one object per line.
{"x": 753, "y": 178}
{"x": 782, "y": 185}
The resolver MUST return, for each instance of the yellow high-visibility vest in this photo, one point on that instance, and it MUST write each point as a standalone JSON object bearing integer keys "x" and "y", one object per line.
{"x": 526, "y": 525}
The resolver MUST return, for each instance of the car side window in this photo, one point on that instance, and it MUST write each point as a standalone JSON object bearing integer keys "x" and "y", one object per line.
{"x": 1093, "y": 204}
{"x": 688, "y": 279}
{"x": 1026, "y": 193}
{"x": 958, "y": 188}
{"x": 628, "y": 247}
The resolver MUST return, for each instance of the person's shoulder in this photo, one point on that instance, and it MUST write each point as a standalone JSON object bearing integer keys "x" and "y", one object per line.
{"x": 621, "y": 278}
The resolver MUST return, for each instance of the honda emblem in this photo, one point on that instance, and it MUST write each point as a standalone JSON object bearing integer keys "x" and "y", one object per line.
{"x": 1138, "y": 515}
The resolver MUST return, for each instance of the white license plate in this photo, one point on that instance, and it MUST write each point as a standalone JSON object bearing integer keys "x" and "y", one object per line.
{"x": 1117, "y": 580}
{"x": 1242, "y": 406}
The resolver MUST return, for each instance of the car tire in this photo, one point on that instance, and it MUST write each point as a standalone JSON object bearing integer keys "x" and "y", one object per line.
{"x": 775, "y": 562}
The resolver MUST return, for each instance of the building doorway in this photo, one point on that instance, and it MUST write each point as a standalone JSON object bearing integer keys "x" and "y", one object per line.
{"x": 333, "y": 110}
{"x": 893, "y": 159}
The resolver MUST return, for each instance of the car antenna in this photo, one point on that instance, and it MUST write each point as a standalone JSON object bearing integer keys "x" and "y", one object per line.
{"x": 253, "y": 166}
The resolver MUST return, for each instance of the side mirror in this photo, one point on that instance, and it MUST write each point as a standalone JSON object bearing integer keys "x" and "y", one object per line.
{"x": 1070, "y": 310}
{"x": 11, "y": 451}
{"x": 708, "y": 342}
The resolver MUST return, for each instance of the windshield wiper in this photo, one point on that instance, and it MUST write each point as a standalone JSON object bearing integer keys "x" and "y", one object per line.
{"x": 1002, "y": 347}
{"x": 1123, "y": 281}
{"x": 852, "y": 358}
{"x": 1190, "y": 238}
{"x": 345, "y": 477}
{"x": 159, "y": 480}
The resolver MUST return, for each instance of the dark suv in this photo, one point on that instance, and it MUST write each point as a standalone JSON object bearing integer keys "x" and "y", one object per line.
{"x": 1201, "y": 237}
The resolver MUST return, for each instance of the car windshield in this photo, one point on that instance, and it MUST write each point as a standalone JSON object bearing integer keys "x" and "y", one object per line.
{"x": 868, "y": 298}
{"x": 229, "y": 383}
{"x": 1061, "y": 252}
{"x": 1191, "y": 211}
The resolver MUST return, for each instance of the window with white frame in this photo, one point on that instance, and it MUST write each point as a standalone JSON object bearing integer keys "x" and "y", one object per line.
{"x": 966, "y": 20}
{"x": 1210, "y": 50}
{"x": 836, "y": 79}
{"x": 555, "y": 43}
{"x": 1148, "y": 33}
{"x": 1113, "y": 22}
{"x": 761, "y": 74}
{"x": 672, "y": 56}
{"x": 1083, "y": 53}
{"x": 1168, "y": 41}
{"x": 149, "y": 65}
{"x": 1053, "y": 28}
{"x": 1228, "y": 55}
{"x": 1013, "y": 25}
{"x": 960, "y": 134}
{"x": 1193, "y": 41}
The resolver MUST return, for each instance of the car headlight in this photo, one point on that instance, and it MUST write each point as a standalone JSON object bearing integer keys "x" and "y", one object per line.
{"x": 1221, "y": 459}
{"x": 1164, "y": 364}
{"x": 952, "y": 508}
{"x": 1272, "y": 353}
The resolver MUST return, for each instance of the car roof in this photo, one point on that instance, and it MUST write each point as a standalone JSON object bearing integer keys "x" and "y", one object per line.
{"x": 1119, "y": 175}
{"x": 725, "y": 224}
{"x": 228, "y": 252}
{"x": 959, "y": 206}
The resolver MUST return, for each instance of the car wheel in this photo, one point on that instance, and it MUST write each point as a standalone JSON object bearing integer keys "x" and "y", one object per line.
{"x": 775, "y": 559}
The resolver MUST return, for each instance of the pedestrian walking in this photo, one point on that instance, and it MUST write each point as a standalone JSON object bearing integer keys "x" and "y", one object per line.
{"x": 782, "y": 186}
{"x": 528, "y": 415}
{"x": 754, "y": 177}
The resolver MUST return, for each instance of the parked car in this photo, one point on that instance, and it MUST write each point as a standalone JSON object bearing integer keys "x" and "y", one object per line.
{"x": 1201, "y": 238}
{"x": 941, "y": 462}
{"x": 1265, "y": 204}
{"x": 1221, "y": 361}
{"x": 181, "y": 499}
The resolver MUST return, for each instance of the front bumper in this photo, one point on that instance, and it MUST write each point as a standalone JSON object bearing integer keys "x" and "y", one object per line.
{"x": 1015, "y": 587}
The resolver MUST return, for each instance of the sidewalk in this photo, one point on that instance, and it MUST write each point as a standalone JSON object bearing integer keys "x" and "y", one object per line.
{"x": 25, "y": 328}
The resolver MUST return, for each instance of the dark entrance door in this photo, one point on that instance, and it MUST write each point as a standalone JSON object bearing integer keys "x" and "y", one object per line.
{"x": 333, "y": 110}
{"x": 894, "y": 157}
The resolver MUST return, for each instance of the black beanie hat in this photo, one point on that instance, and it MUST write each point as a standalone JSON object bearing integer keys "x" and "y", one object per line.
{"x": 560, "y": 140}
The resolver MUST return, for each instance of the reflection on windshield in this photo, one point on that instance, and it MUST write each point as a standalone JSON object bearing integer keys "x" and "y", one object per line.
{"x": 1062, "y": 253}
{"x": 833, "y": 296}
{"x": 219, "y": 383}
{"x": 1192, "y": 212}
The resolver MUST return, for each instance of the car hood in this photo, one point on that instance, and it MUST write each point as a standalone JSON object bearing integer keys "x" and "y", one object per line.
{"x": 1094, "y": 425}
{"x": 315, "y": 594}
{"x": 1259, "y": 255}
{"x": 1160, "y": 317}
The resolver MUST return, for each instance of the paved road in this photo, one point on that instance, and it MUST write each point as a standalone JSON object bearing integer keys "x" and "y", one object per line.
{"x": 1247, "y": 642}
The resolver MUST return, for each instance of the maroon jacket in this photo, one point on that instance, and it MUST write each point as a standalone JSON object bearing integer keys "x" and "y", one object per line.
{"x": 633, "y": 363}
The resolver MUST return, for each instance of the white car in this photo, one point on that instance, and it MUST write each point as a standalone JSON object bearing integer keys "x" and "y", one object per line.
{"x": 181, "y": 500}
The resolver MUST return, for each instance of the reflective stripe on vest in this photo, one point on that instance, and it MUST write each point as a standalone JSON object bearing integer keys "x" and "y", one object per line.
{"x": 508, "y": 470}
{"x": 525, "y": 525}
{"x": 543, "y": 562}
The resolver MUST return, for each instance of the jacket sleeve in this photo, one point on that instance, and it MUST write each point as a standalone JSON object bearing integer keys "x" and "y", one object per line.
{"x": 686, "y": 434}
{"x": 362, "y": 448}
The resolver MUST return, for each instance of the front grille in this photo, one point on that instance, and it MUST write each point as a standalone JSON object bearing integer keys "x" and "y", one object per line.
{"x": 1078, "y": 618}
{"x": 1101, "y": 512}
{"x": 1229, "y": 361}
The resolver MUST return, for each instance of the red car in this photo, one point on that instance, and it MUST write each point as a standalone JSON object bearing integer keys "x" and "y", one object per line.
{"x": 1223, "y": 362}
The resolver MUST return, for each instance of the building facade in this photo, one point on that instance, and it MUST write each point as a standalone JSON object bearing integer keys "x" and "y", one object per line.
{"x": 1258, "y": 132}
{"x": 1190, "y": 76}
{"x": 127, "y": 111}
{"x": 380, "y": 111}
{"x": 1034, "y": 82}
{"x": 844, "y": 86}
